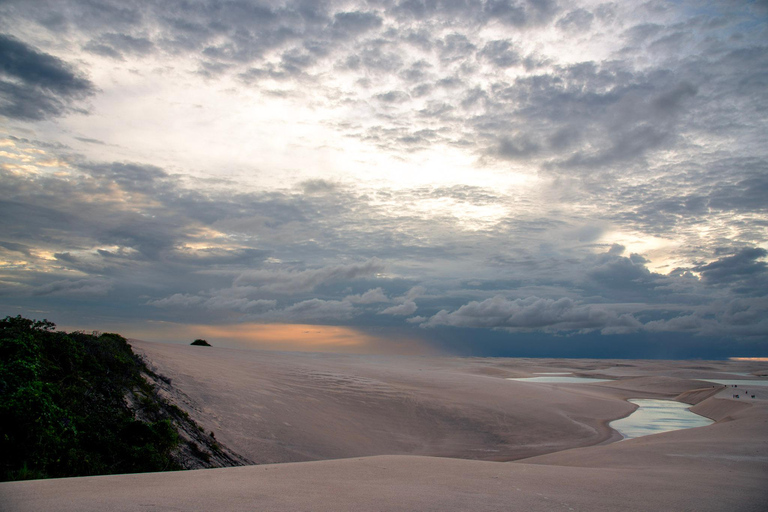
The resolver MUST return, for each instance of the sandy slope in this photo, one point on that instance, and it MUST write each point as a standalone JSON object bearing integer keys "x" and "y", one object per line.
{"x": 273, "y": 407}
{"x": 292, "y": 407}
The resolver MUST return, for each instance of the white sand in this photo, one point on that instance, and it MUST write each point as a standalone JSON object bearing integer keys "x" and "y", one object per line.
{"x": 280, "y": 407}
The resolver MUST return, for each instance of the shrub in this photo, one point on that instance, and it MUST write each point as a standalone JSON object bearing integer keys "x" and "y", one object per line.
{"x": 62, "y": 405}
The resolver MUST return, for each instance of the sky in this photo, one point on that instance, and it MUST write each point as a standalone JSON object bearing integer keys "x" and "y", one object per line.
{"x": 526, "y": 178}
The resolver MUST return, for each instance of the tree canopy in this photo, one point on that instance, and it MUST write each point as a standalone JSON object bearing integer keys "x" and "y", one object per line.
{"x": 64, "y": 408}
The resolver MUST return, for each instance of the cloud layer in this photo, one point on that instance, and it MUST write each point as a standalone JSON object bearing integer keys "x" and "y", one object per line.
{"x": 555, "y": 167}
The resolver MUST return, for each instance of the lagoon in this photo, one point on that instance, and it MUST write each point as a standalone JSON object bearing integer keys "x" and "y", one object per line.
{"x": 657, "y": 416}
{"x": 552, "y": 379}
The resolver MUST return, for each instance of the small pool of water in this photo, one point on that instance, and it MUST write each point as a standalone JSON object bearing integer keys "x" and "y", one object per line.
{"x": 553, "y": 379}
{"x": 743, "y": 383}
{"x": 657, "y": 416}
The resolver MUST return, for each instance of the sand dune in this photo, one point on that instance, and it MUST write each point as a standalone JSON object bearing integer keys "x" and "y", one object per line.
{"x": 381, "y": 416}
{"x": 274, "y": 407}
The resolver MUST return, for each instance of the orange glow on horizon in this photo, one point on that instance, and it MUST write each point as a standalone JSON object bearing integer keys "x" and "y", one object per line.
{"x": 281, "y": 337}
{"x": 759, "y": 359}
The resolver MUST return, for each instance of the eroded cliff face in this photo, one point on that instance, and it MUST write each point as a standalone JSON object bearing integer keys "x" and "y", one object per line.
{"x": 197, "y": 448}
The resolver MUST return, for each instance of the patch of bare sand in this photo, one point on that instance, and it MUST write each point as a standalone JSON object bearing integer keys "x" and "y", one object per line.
{"x": 287, "y": 407}
{"x": 660, "y": 386}
{"x": 403, "y": 483}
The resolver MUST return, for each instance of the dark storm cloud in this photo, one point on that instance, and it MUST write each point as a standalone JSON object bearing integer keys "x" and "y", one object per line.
{"x": 745, "y": 265}
{"x": 35, "y": 85}
{"x": 633, "y": 298}
{"x": 535, "y": 313}
{"x": 619, "y": 272}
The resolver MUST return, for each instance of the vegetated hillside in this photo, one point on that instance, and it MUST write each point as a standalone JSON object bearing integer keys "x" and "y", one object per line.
{"x": 74, "y": 404}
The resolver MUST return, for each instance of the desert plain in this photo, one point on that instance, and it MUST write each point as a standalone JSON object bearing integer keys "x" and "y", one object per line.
{"x": 343, "y": 432}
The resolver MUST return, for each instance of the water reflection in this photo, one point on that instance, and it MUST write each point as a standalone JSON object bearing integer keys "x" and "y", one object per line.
{"x": 657, "y": 416}
{"x": 552, "y": 379}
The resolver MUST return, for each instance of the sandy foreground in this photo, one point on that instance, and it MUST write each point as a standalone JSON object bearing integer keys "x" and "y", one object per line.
{"x": 332, "y": 432}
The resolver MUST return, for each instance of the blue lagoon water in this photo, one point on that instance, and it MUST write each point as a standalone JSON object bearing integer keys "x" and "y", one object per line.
{"x": 657, "y": 416}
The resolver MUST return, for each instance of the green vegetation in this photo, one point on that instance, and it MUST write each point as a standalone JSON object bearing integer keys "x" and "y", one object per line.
{"x": 64, "y": 405}
{"x": 200, "y": 343}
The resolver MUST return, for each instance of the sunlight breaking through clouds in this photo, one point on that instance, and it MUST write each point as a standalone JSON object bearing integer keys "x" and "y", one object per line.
{"x": 561, "y": 168}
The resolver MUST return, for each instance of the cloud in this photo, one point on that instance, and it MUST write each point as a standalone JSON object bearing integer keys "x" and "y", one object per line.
{"x": 215, "y": 303}
{"x": 576, "y": 167}
{"x": 36, "y": 85}
{"x": 413, "y": 293}
{"x": 116, "y": 45}
{"x": 350, "y": 24}
{"x": 406, "y": 308}
{"x": 519, "y": 147}
{"x": 521, "y": 13}
{"x": 501, "y": 53}
{"x": 372, "y": 296}
{"x": 312, "y": 310}
{"x": 746, "y": 269}
{"x": 182, "y": 300}
{"x": 578, "y": 20}
{"x": 392, "y": 97}
{"x": 74, "y": 288}
{"x": 535, "y": 313}
{"x": 616, "y": 271}
{"x": 286, "y": 282}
